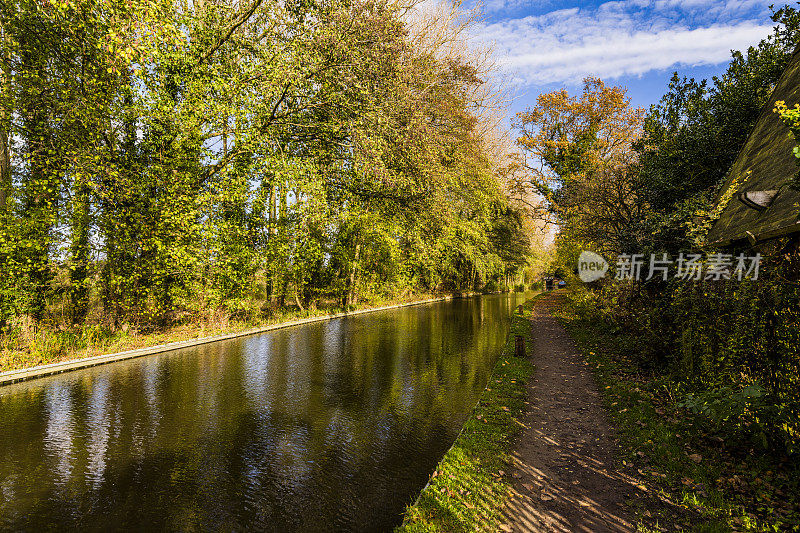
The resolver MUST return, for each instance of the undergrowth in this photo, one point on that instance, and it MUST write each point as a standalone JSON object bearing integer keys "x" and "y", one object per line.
{"x": 28, "y": 347}
{"x": 676, "y": 440}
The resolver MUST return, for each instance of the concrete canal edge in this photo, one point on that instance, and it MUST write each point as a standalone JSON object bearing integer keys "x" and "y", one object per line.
{"x": 24, "y": 374}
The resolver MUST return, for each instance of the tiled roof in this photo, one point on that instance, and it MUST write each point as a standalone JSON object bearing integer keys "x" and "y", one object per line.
{"x": 767, "y": 156}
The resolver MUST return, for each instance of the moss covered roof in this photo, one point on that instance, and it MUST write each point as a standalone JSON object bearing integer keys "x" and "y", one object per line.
{"x": 766, "y": 162}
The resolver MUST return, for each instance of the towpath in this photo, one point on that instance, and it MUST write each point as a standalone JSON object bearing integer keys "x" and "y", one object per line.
{"x": 564, "y": 472}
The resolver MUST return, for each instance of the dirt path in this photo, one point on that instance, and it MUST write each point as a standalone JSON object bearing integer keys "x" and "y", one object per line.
{"x": 563, "y": 470}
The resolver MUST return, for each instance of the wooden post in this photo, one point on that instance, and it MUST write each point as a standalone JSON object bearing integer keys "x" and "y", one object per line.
{"x": 519, "y": 346}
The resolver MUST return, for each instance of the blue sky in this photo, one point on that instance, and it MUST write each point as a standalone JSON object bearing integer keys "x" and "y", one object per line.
{"x": 543, "y": 45}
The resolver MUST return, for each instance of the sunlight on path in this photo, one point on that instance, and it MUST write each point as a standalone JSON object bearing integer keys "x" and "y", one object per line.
{"x": 563, "y": 467}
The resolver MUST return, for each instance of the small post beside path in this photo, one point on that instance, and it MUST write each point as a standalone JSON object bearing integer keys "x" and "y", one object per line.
{"x": 519, "y": 346}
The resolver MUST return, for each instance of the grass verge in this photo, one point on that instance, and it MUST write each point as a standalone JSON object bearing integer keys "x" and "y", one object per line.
{"x": 46, "y": 346}
{"x": 468, "y": 489}
{"x": 715, "y": 485}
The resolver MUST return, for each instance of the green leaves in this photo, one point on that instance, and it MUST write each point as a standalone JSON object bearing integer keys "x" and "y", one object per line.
{"x": 791, "y": 117}
{"x": 692, "y": 136}
{"x": 173, "y": 161}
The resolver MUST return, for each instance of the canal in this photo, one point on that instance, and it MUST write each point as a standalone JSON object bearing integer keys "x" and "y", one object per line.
{"x": 329, "y": 426}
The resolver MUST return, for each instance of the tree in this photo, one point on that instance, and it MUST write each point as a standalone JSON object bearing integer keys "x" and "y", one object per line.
{"x": 181, "y": 161}
{"x": 580, "y": 159}
{"x": 692, "y": 136}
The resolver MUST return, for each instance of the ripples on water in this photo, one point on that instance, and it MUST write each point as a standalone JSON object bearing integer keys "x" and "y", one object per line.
{"x": 330, "y": 426}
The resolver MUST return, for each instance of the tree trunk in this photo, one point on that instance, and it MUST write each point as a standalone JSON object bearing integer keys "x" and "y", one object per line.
{"x": 350, "y": 293}
{"x": 270, "y": 237}
{"x": 5, "y": 123}
{"x": 81, "y": 221}
{"x": 297, "y": 297}
{"x": 282, "y": 221}
{"x": 41, "y": 190}
{"x": 5, "y": 166}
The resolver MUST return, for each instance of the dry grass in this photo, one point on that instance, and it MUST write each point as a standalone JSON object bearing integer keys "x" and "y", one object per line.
{"x": 30, "y": 346}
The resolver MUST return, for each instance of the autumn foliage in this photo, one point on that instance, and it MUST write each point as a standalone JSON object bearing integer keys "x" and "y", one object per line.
{"x": 166, "y": 162}
{"x": 580, "y": 158}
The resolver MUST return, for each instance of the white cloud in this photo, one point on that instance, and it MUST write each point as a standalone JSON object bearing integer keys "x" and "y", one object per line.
{"x": 628, "y": 37}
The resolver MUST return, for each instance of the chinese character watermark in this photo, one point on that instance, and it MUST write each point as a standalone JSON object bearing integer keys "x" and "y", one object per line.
{"x": 716, "y": 266}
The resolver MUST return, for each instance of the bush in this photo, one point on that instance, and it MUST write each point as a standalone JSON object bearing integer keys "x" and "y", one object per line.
{"x": 746, "y": 413}
{"x": 734, "y": 345}
{"x": 490, "y": 287}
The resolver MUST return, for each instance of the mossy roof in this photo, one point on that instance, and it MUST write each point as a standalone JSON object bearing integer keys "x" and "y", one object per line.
{"x": 767, "y": 157}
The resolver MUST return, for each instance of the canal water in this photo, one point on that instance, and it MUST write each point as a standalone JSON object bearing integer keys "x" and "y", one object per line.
{"x": 329, "y": 426}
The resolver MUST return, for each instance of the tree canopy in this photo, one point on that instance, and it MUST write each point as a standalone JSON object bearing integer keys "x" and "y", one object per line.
{"x": 164, "y": 158}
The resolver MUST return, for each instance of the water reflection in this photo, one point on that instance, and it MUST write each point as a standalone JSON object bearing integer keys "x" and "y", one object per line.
{"x": 58, "y": 435}
{"x": 99, "y": 431}
{"x": 333, "y": 426}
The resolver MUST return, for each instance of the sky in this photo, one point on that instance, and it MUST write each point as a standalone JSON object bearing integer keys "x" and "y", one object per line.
{"x": 544, "y": 45}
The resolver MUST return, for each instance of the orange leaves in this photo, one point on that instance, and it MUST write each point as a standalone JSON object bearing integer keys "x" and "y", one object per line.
{"x": 579, "y": 157}
{"x": 600, "y": 114}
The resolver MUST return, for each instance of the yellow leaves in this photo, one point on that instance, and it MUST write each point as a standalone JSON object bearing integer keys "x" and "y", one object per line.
{"x": 580, "y": 149}
{"x": 782, "y": 109}
{"x": 699, "y": 231}
{"x": 62, "y": 6}
{"x": 601, "y": 113}
{"x": 791, "y": 118}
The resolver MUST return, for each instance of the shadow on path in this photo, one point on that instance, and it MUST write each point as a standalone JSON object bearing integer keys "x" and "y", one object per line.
{"x": 563, "y": 468}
